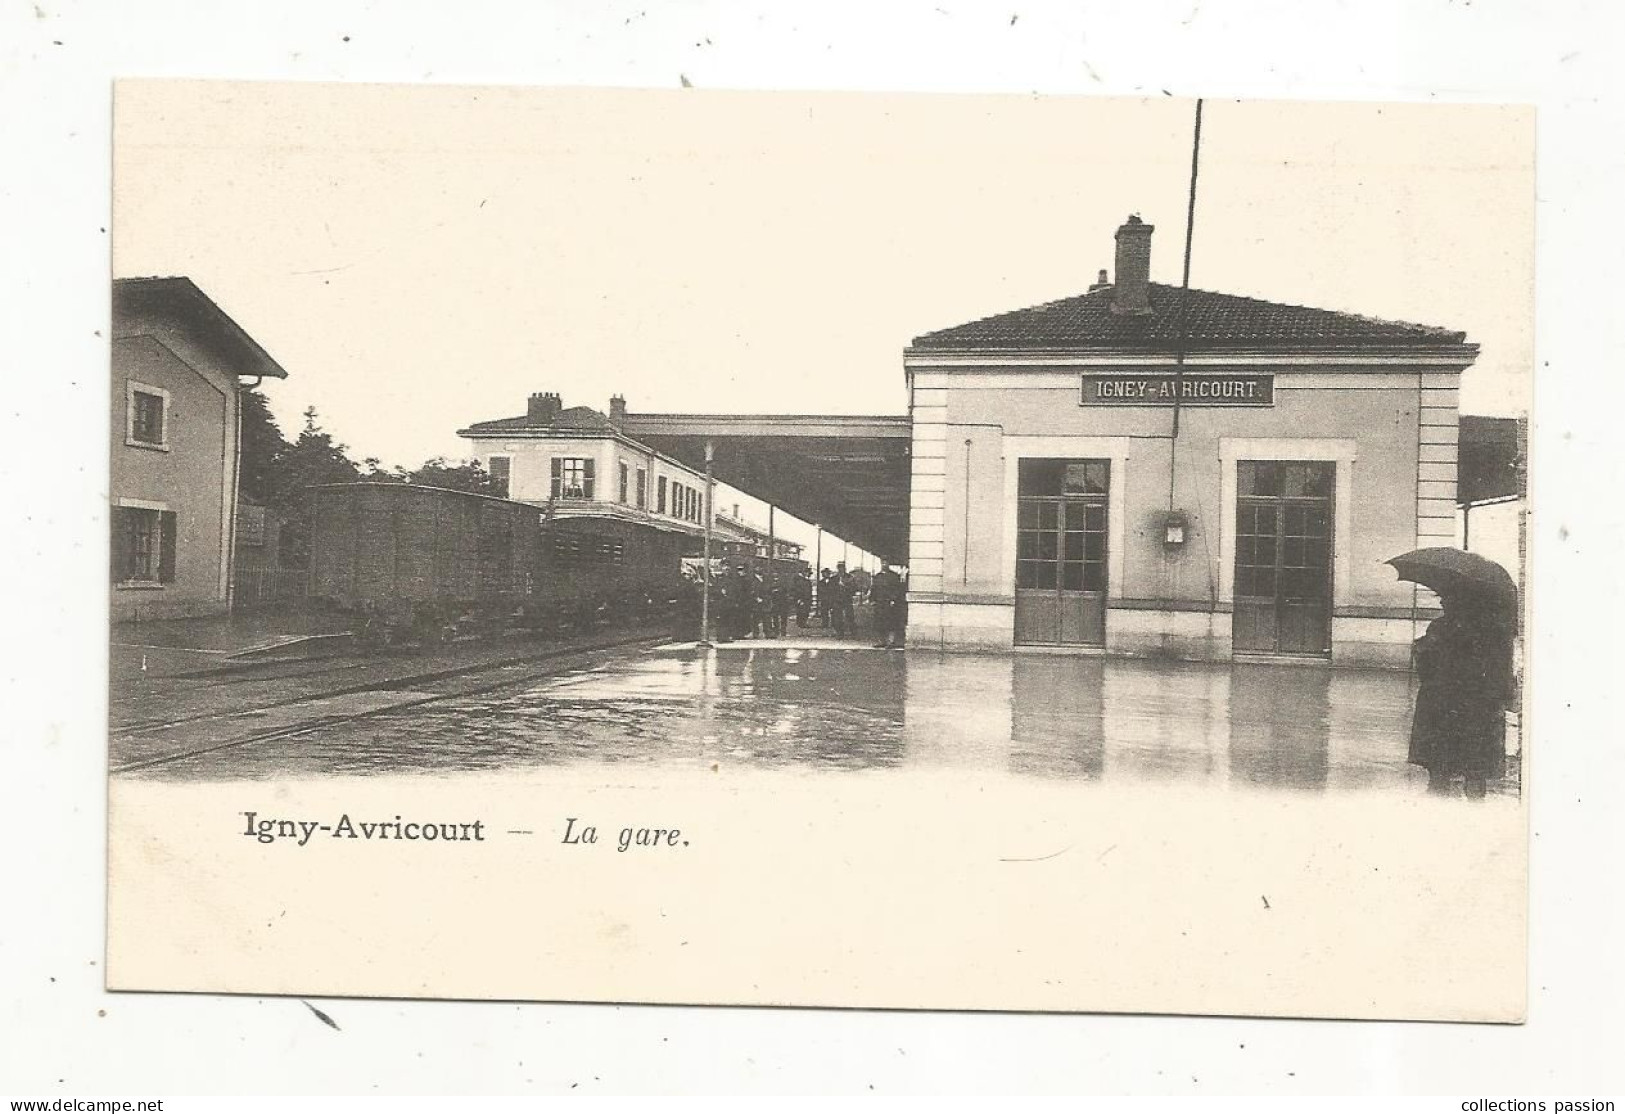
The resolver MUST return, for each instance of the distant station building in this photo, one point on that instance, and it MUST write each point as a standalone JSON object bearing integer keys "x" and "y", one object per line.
{"x": 178, "y": 362}
{"x": 1052, "y": 506}
{"x": 593, "y": 478}
{"x": 744, "y": 539}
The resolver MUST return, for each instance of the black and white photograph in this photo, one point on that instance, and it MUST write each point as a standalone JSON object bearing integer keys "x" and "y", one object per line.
{"x": 832, "y": 513}
{"x": 746, "y": 548}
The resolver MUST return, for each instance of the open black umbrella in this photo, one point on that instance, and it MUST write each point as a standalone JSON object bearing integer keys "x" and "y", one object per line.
{"x": 1456, "y": 572}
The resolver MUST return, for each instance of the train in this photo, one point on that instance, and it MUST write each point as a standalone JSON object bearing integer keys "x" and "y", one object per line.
{"x": 413, "y": 563}
{"x": 729, "y": 555}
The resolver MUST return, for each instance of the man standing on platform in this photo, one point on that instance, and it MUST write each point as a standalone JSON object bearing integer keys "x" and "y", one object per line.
{"x": 885, "y": 592}
{"x": 804, "y": 594}
{"x": 761, "y": 607}
{"x": 842, "y": 588}
{"x": 781, "y": 605}
{"x": 743, "y": 590}
{"x": 826, "y": 596}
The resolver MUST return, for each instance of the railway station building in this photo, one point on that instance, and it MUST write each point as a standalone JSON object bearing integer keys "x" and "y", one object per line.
{"x": 1130, "y": 470}
{"x": 178, "y": 362}
{"x": 1201, "y": 475}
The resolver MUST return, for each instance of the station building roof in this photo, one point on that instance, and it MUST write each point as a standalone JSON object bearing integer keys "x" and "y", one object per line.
{"x": 1212, "y": 322}
{"x": 571, "y": 419}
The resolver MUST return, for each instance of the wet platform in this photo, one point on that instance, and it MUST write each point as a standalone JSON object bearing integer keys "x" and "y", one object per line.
{"x": 812, "y": 636}
{"x": 163, "y": 647}
{"x": 843, "y": 706}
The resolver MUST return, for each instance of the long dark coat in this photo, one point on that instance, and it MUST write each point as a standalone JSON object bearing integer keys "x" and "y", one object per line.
{"x": 1464, "y": 665}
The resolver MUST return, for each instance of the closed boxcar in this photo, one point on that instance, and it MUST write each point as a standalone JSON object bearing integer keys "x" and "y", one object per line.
{"x": 410, "y": 558}
{"x": 588, "y": 555}
{"x": 598, "y": 569}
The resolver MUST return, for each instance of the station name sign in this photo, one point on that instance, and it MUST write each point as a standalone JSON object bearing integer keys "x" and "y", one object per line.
{"x": 1194, "y": 389}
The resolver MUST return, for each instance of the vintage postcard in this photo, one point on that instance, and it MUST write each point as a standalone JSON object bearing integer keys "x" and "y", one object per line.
{"x": 905, "y": 551}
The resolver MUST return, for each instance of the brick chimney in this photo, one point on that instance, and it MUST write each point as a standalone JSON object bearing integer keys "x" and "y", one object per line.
{"x": 617, "y": 409}
{"x": 1101, "y": 283}
{"x": 543, "y": 408}
{"x": 1132, "y": 292}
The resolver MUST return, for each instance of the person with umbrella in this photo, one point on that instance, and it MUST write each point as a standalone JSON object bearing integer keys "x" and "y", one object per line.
{"x": 1464, "y": 668}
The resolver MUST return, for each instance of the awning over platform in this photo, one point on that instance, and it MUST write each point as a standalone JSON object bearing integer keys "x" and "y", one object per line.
{"x": 1491, "y": 460}
{"x": 849, "y": 475}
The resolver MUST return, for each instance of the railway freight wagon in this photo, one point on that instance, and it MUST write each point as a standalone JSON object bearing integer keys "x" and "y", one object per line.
{"x": 410, "y": 560}
{"x": 604, "y": 558}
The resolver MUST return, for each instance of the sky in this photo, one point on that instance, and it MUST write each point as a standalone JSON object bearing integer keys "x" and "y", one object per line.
{"x": 422, "y": 257}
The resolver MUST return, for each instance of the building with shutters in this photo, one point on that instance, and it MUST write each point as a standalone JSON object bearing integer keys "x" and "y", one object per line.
{"x": 1077, "y": 486}
{"x": 178, "y": 363}
{"x": 579, "y": 463}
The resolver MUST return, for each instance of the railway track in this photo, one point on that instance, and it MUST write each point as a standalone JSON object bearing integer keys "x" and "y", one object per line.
{"x": 270, "y": 673}
{"x": 549, "y": 661}
{"x": 136, "y": 727}
{"x": 240, "y": 673}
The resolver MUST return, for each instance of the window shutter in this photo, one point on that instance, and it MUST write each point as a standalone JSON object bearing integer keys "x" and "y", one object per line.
{"x": 118, "y": 546}
{"x": 588, "y": 476}
{"x": 166, "y": 547}
{"x": 558, "y": 478}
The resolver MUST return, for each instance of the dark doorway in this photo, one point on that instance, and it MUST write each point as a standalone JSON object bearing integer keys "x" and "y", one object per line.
{"x": 1283, "y": 596}
{"x": 1061, "y": 552}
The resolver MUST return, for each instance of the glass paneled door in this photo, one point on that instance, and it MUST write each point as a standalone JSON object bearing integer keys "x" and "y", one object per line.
{"x": 1061, "y": 552}
{"x": 1283, "y": 596}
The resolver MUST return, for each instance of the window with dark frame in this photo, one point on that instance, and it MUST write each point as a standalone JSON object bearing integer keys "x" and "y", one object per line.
{"x": 572, "y": 477}
{"x": 143, "y": 546}
{"x": 624, "y": 481}
{"x": 660, "y": 495}
{"x": 1283, "y": 528}
{"x": 501, "y": 472}
{"x": 643, "y": 490}
{"x": 146, "y": 417}
{"x": 1061, "y": 525}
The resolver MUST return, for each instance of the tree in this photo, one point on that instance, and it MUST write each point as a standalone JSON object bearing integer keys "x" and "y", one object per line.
{"x": 465, "y": 475}
{"x": 278, "y": 473}
{"x": 262, "y": 448}
{"x": 315, "y": 458}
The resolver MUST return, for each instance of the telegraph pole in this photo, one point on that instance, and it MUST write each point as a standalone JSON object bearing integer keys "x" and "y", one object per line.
{"x": 705, "y": 600}
{"x": 772, "y": 546}
{"x": 1185, "y": 285}
{"x": 818, "y": 564}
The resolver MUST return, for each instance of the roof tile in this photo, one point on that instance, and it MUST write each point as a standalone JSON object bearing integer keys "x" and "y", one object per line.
{"x": 579, "y": 419}
{"x": 1213, "y": 322}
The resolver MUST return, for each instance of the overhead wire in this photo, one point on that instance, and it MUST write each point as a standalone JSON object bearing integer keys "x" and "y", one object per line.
{"x": 1180, "y": 317}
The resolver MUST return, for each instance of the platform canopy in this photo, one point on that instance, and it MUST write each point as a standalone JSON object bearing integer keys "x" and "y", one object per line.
{"x": 849, "y": 475}
{"x": 1492, "y": 454}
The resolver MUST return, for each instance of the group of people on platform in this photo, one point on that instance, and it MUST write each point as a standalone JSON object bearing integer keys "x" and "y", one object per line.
{"x": 747, "y": 604}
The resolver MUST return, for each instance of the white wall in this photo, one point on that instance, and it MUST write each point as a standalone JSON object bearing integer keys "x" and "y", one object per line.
{"x": 1493, "y": 533}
